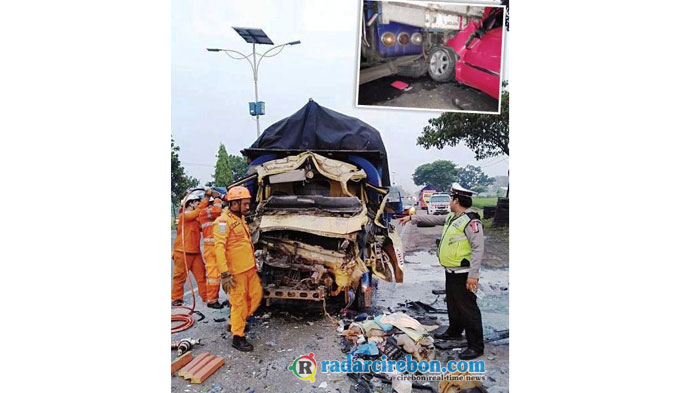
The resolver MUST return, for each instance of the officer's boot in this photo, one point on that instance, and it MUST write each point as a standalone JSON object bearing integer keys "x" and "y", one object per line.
{"x": 470, "y": 353}
{"x": 240, "y": 343}
{"x": 448, "y": 335}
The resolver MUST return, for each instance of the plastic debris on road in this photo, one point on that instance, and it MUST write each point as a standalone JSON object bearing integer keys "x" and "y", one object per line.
{"x": 369, "y": 349}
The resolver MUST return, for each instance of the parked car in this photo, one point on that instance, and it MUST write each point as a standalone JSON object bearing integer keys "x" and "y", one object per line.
{"x": 439, "y": 204}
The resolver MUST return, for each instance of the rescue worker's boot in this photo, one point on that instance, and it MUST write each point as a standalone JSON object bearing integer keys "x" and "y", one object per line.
{"x": 177, "y": 302}
{"x": 215, "y": 305}
{"x": 240, "y": 343}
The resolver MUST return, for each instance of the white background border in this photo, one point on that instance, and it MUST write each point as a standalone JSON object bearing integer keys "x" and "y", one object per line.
{"x": 602, "y": 271}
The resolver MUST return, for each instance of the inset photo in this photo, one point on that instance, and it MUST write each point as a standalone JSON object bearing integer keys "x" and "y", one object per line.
{"x": 431, "y": 56}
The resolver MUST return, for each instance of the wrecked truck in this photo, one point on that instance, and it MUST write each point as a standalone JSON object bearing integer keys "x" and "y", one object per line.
{"x": 446, "y": 41}
{"x": 319, "y": 182}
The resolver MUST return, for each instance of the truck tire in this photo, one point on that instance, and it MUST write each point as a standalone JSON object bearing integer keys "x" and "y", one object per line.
{"x": 414, "y": 70}
{"x": 441, "y": 61}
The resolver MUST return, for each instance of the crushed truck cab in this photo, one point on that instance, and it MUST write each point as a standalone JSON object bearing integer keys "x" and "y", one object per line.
{"x": 318, "y": 217}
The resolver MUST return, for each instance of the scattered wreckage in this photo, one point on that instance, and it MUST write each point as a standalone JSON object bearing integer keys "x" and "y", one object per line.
{"x": 319, "y": 182}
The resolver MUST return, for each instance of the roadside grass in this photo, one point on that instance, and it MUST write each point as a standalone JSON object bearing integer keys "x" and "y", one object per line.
{"x": 481, "y": 202}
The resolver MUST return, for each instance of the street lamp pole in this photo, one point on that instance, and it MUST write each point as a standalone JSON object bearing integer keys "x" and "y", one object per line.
{"x": 254, "y": 60}
{"x": 256, "y": 89}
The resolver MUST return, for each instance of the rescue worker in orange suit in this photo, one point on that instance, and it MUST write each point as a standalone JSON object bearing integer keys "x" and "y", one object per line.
{"x": 206, "y": 218}
{"x": 189, "y": 242}
{"x": 234, "y": 254}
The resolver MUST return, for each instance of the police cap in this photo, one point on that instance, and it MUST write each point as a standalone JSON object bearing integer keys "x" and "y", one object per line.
{"x": 458, "y": 190}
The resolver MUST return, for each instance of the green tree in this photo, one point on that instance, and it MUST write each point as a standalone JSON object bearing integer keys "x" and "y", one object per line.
{"x": 223, "y": 170}
{"x": 180, "y": 181}
{"x": 238, "y": 165}
{"x": 228, "y": 168}
{"x": 486, "y": 135}
{"x": 473, "y": 178}
{"x": 439, "y": 174}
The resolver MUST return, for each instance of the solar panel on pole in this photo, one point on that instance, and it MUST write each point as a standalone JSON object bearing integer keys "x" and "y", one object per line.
{"x": 253, "y": 35}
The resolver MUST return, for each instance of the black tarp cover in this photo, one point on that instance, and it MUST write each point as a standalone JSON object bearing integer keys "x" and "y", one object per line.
{"x": 317, "y": 128}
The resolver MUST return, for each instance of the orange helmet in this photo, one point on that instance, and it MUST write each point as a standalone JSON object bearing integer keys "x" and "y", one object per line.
{"x": 238, "y": 192}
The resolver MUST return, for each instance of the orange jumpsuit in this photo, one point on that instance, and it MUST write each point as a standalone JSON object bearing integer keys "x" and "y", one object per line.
{"x": 206, "y": 218}
{"x": 192, "y": 247}
{"x": 234, "y": 253}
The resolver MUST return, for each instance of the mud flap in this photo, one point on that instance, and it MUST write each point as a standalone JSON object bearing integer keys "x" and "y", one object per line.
{"x": 395, "y": 250}
{"x": 365, "y": 296}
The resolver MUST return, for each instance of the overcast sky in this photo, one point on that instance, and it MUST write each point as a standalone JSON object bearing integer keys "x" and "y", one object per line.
{"x": 210, "y": 91}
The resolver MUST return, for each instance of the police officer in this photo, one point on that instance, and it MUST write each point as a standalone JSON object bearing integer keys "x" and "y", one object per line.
{"x": 460, "y": 252}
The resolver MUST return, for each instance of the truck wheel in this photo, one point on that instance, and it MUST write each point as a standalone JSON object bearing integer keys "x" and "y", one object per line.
{"x": 414, "y": 70}
{"x": 441, "y": 63}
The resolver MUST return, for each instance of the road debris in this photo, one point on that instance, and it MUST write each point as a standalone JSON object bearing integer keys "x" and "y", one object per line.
{"x": 184, "y": 345}
{"x": 214, "y": 389}
{"x": 201, "y": 367}
{"x": 369, "y": 349}
{"x": 390, "y": 334}
{"x": 403, "y": 86}
{"x": 181, "y": 361}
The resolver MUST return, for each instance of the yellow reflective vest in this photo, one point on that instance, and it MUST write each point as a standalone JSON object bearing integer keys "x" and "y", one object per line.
{"x": 454, "y": 246}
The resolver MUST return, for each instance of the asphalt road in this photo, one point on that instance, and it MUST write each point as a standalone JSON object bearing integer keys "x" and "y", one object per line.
{"x": 287, "y": 330}
{"x": 426, "y": 94}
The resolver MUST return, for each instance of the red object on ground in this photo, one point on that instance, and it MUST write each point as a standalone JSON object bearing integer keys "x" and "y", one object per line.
{"x": 479, "y": 61}
{"x": 181, "y": 361}
{"x": 201, "y": 367}
{"x": 185, "y": 371}
{"x": 213, "y": 365}
{"x": 399, "y": 85}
